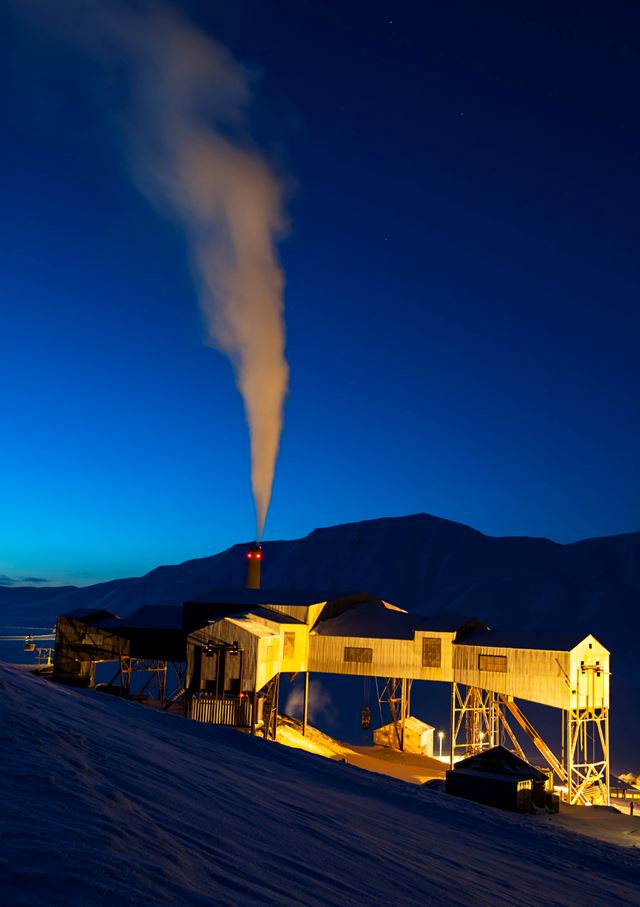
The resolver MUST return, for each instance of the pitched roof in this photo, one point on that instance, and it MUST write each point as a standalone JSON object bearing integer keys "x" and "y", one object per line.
{"x": 251, "y": 598}
{"x": 547, "y": 639}
{"x": 499, "y": 761}
{"x": 151, "y": 617}
{"x": 90, "y": 614}
{"x": 376, "y": 620}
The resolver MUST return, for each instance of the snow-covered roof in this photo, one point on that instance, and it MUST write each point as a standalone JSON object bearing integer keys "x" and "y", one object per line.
{"x": 499, "y": 761}
{"x": 151, "y": 617}
{"x": 413, "y": 724}
{"x": 276, "y": 617}
{"x": 86, "y": 614}
{"x": 546, "y": 638}
{"x": 259, "y": 614}
{"x": 251, "y": 598}
{"x": 254, "y": 627}
{"x": 372, "y": 620}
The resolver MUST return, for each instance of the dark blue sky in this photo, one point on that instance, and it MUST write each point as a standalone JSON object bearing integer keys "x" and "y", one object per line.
{"x": 461, "y": 302}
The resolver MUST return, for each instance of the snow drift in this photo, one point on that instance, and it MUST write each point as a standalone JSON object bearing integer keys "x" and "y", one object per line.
{"x": 108, "y": 802}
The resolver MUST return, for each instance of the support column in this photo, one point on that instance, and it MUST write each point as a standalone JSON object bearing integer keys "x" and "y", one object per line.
{"x": 452, "y": 731}
{"x": 478, "y": 710}
{"x": 305, "y": 706}
{"x": 587, "y": 739}
{"x": 275, "y": 711}
{"x": 87, "y": 673}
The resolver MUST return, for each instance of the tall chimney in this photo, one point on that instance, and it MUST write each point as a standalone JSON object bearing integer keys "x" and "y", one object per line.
{"x": 254, "y": 557}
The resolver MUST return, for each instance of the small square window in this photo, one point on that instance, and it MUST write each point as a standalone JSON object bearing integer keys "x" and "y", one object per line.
{"x": 358, "y": 653}
{"x": 431, "y": 652}
{"x": 492, "y": 663}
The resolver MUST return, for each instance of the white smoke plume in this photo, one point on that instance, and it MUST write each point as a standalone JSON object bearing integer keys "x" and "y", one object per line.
{"x": 321, "y": 706}
{"x": 187, "y": 137}
{"x": 190, "y": 150}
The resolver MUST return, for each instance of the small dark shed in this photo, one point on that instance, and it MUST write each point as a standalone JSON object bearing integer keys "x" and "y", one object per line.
{"x": 497, "y": 777}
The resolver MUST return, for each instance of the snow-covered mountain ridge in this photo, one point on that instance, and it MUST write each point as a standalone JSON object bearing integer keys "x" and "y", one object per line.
{"x": 422, "y": 563}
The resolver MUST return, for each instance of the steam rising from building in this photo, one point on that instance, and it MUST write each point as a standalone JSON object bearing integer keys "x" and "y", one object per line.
{"x": 188, "y": 144}
{"x": 191, "y": 154}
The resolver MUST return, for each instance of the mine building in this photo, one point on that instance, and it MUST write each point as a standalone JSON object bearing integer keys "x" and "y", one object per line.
{"x": 230, "y": 647}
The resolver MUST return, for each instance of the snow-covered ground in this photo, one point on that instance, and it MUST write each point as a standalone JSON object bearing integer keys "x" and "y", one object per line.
{"x": 106, "y": 802}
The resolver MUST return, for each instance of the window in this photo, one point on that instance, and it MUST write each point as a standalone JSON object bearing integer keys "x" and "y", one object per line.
{"x": 289, "y": 645}
{"x": 273, "y": 650}
{"x": 431, "y": 652}
{"x": 492, "y": 663}
{"x": 358, "y": 653}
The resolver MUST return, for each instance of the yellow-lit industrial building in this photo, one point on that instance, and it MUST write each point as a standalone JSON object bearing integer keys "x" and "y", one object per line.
{"x": 235, "y": 644}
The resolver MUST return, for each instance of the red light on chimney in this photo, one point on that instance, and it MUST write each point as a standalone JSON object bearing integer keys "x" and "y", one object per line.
{"x": 254, "y": 556}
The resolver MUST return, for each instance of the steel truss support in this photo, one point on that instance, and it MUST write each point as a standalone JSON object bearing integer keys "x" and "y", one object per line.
{"x": 482, "y": 715}
{"x": 535, "y": 737}
{"x": 155, "y": 668}
{"x": 587, "y": 740}
{"x": 479, "y": 712}
{"x": 479, "y": 721}
{"x": 396, "y": 693}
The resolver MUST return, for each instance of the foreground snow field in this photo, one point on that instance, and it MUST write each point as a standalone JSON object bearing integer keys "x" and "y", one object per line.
{"x": 108, "y": 802}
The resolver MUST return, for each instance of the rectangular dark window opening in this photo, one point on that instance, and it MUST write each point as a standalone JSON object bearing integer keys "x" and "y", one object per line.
{"x": 431, "y": 652}
{"x": 358, "y": 653}
{"x": 492, "y": 663}
{"x": 289, "y": 645}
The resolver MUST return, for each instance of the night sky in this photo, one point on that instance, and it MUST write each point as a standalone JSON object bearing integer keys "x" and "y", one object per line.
{"x": 461, "y": 302}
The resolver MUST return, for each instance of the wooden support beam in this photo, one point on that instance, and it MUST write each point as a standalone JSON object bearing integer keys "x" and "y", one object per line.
{"x": 305, "y": 706}
{"x": 535, "y": 737}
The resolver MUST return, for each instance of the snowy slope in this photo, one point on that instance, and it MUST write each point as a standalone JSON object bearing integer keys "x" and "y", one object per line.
{"x": 20, "y": 604}
{"x": 16, "y": 602}
{"x": 107, "y": 802}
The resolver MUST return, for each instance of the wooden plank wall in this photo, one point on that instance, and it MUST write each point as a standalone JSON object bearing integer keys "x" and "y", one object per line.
{"x": 586, "y": 680}
{"x": 537, "y": 675}
{"x": 390, "y": 657}
{"x": 263, "y": 656}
